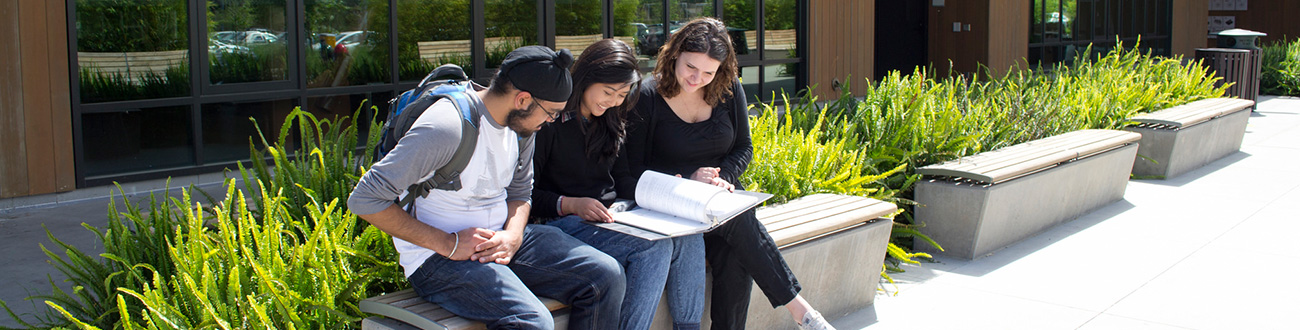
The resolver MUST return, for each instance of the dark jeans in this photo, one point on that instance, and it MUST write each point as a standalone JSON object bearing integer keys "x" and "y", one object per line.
{"x": 740, "y": 253}
{"x": 549, "y": 263}
{"x": 672, "y": 267}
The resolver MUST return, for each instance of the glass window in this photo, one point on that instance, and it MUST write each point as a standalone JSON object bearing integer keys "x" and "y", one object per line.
{"x": 750, "y": 80}
{"x": 132, "y": 50}
{"x": 647, "y": 17}
{"x": 346, "y": 43}
{"x": 338, "y": 106}
{"x": 432, "y": 33}
{"x": 779, "y": 79}
{"x": 1069, "y": 26}
{"x": 576, "y": 24}
{"x": 1069, "y": 18}
{"x": 739, "y": 16}
{"x": 779, "y": 34}
{"x": 246, "y": 41}
{"x": 135, "y": 140}
{"x": 227, "y": 127}
{"x": 682, "y": 11}
{"x": 629, "y": 26}
{"x": 510, "y": 24}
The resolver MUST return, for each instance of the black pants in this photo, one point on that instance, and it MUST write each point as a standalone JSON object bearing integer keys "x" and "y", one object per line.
{"x": 741, "y": 252}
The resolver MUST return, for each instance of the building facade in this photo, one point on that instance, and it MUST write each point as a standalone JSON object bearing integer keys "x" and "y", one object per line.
{"x": 125, "y": 90}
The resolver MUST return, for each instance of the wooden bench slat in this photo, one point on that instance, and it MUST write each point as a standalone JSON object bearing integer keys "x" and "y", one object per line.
{"x": 1002, "y": 165}
{"x": 830, "y": 224}
{"x": 818, "y": 212}
{"x": 1194, "y": 113}
{"x": 407, "y": 306}
{"x": 996, "y": 159}
{"x": 799, "y": 208}
{"x": 1012, "y": 172}
{"x": 401, "y": 314}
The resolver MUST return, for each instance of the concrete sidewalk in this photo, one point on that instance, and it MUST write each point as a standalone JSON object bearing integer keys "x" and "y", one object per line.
{"x": 1215, "y": 248}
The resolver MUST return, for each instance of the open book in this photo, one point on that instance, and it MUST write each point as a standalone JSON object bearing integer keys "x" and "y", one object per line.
{"x": 669, "y": 206}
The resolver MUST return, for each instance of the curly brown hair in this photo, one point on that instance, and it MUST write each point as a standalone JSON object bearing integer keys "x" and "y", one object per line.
{"x": 705, "y": 35}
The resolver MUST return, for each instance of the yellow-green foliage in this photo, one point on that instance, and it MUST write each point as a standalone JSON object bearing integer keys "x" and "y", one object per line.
{"x": 904, "y": 122}
{"x": 282, "y": 254}
{"x": 1280, "y": 72}
{"x": 789, "y": 162}
{"x": 259, "y": 272}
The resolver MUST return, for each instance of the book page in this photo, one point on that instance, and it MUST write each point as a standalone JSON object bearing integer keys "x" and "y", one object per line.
{"x": 658, "y": 222}
{"x": 676, "y": 196}
{"x": 724, "y": 204}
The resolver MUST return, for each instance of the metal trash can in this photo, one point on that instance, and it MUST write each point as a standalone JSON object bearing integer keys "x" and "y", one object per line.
{"x": 1233, "y": 67}
{"x": 1237, "y": 61}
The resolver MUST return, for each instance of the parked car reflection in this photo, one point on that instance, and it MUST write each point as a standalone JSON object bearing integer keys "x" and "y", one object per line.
{"x": 650, "y": 37}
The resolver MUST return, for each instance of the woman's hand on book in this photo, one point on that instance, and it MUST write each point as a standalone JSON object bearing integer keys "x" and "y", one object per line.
{"x": 586, "y": 208}
{"x": 712, "y": 175}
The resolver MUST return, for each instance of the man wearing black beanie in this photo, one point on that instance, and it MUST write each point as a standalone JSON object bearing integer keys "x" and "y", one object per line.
{"x": 470, "y": 250}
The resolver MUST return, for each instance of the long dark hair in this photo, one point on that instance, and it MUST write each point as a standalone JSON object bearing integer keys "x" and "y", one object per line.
{"x": 703, "y": 35}
{"x": 607, "y": 61}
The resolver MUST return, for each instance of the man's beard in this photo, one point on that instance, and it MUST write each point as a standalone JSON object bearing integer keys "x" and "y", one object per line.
{"x": 514, "y": 120}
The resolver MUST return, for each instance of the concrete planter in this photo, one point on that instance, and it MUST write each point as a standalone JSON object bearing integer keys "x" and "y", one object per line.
{"x": 1178, "y": 150}
{"x": 971, "y": 220}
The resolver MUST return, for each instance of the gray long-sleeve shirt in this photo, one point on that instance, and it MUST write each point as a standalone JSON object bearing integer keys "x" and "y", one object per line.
{"x": 497, "y": 172}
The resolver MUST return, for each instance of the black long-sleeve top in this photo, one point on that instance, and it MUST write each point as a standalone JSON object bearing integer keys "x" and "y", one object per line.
{"x": 561, "y": 167}
{"x": 659, "y": 140}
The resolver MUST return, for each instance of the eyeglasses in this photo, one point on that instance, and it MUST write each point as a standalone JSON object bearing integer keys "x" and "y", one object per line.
{"x": 550, "y": 115}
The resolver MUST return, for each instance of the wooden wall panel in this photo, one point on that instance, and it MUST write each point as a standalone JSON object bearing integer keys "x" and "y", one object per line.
{"x": 36, "y": 150}
{"x": 1277, "y": 18}
{"x": 841, "y": 39}
{"x": 1188, "y": 26}
{"x": 13, "y": 154}
{"x": 34, "y": 36}
{"x": 60, "y": 97}
{"x": 966, "y": 49}
{"x": 1008, "y": 35}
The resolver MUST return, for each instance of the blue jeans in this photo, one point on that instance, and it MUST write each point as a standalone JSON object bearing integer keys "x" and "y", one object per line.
{"x": 548, "y": 262}
{"x": 677, "y": 263}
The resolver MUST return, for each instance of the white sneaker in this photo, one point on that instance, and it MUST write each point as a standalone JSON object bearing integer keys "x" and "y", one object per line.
{"x": 812, "y": 320}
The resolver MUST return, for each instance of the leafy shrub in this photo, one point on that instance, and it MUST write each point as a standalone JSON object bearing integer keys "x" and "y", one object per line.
{"x": 1280, "y": 72}
{"x": 135, "y": 249}
{"x": 282, "y": 253}
{"x": 905, "y": 122}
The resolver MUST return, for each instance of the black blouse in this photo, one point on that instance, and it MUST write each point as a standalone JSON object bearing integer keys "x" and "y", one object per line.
{"x": 561, "y": 167}
{"x": 659, "y": 140}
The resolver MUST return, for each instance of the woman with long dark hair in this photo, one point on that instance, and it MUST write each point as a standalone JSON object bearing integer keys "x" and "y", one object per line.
{"x": 573, "y": 182}
{"x": 691, "y": 120}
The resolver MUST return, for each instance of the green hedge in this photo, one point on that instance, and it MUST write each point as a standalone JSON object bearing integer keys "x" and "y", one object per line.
{"x": 1281, "y": 69}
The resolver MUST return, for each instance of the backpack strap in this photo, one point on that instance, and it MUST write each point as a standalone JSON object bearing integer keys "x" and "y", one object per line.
{"x": 448, "y": 176}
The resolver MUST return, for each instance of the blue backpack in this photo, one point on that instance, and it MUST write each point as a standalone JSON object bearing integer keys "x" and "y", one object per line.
{"x": 447, "y": 81}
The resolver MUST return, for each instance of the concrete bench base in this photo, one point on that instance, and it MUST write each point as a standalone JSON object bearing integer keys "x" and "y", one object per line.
{"x": 1177, "y": 151}
{"x": 971, "y": 220}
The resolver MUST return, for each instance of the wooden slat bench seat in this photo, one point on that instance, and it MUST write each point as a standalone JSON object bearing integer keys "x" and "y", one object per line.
{"x": 980, "y": 203}
{"x": 414, "y": 312}
{"x": 807, "y": 230}
{"x": 1182, "y": 138}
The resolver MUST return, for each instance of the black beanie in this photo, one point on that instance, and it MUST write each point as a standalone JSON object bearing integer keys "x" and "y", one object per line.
{"x": 540, "y": 71}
